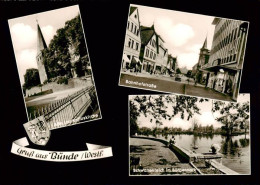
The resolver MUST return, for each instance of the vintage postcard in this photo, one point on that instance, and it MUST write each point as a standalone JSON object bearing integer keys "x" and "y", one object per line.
{"x": 183, "y": 135}
{"x": 54, "y": 68}
{"x": 183, "y": 53}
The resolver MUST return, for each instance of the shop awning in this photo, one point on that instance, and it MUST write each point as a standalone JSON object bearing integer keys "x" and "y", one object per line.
{"x": 218, "y": 68}
{"x": 126, "y": 58}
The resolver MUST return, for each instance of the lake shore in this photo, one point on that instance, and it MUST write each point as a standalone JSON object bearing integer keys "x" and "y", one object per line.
{"x": 156, "y": 159}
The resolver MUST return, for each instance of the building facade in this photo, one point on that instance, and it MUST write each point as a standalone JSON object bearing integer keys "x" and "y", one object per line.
{"x": 162, "y": 59}
{"x": 153, "y": 54}
{"x": 172, "y": 63}
{"x": 227, "y": 55}
{"x": 132, "y": 41}
{"x": 148, "y": 53}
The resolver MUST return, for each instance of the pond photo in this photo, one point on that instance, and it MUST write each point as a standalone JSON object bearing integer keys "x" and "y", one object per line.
{"x": 182, "y": 135}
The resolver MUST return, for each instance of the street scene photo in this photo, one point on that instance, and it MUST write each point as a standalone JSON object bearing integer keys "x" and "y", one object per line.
{"x": 183, "y": 135}
{"x": 183, "y": 53}
{"x": 54, "y": 69}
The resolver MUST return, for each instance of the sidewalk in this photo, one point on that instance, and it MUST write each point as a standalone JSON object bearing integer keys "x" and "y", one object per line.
{"x": 206, "y": 92}
{"x": 155, "y": 156}
{"x": 168, "y": 84}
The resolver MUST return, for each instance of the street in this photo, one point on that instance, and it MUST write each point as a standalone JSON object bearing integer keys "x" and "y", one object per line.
{"x": 168, "y": 84}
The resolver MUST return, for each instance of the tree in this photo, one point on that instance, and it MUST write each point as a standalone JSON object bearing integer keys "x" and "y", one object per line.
{"x": 31, "y": 78}
{"x": 56, "y": 58}
{"x": 68, "y": 41}
{"x": 195, "y": 126}
{"x": 189, "y": 73}
{"x": 231, "y": 115}
{"x": 133, "y": 119}
{"x": 161, "y": 107}
{"x": 75, "y": 35}
{"x": 244, "y": 125}
{"x": 178, "y": 71}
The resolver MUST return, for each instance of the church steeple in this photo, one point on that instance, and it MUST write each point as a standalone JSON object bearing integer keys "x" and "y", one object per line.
{"x": 41, "y": 44}
{"x": 205, "y": 44}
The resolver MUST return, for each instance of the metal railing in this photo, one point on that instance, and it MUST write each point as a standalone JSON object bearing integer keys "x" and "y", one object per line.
{"x": 66, "y": 111}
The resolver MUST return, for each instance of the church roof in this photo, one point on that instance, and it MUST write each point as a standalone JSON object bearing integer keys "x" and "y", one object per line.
{"x": 41, "y": 44}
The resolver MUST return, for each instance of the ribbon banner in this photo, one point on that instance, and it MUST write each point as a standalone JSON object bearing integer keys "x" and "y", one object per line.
{"x": 19, "y": 147}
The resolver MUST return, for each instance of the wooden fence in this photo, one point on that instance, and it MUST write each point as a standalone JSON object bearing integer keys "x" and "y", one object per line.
{"x": 66, "y": 111}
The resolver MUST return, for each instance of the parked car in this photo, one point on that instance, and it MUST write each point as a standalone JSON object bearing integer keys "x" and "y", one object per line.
{"x": 177, "y": 78}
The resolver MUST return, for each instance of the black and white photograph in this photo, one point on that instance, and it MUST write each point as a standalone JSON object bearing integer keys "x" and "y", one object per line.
{"x": 183, "y": 53}
{"x": 131, "y": 92}
{"x": 54, "y": 67}
{"x": 183, "y": 135}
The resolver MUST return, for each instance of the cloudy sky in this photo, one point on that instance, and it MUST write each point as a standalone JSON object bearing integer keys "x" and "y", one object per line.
{"x": 183, "y": 33}
{"x": 24, "y": 33}
{"x": 206, "y": 117}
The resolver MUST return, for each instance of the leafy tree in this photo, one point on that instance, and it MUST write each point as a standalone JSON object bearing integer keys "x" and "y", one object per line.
{"x": 75, "y": 35}
{"x": 133, "y": 119}
{"x": 68, "y": 41}
{"x": 56, "y": 58}
{"x": 231, "y": 115}
{"x": 31, "y": 78}
{"x": 178, "y": 71}
{"x": 162, "y": 107}
{"x": 189, "y": 73}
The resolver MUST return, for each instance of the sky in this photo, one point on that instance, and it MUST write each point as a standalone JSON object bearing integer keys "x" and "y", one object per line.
{"x": 24, "y": 33}
{"x": 205, "y": 118}
{"x": 183, "y": 33}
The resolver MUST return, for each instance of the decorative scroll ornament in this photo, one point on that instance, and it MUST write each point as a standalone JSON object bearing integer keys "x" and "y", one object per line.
{"x": 39, "y": 133}
{"x": 19, "y": 147}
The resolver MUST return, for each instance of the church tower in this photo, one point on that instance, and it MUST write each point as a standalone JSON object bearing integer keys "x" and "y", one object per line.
{"x": 41, "y": 44}
{"x": 203, "y": 59}
{"x": 204, "y": 54}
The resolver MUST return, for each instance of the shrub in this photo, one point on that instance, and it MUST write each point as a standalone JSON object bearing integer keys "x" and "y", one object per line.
{"x": 62, "y": 80}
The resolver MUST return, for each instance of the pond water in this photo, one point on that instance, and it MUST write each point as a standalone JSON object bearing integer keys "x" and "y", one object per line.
{"x": 235, "y": 150}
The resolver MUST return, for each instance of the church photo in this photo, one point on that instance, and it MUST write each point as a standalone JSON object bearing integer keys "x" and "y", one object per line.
{"x": 54, "y": 67}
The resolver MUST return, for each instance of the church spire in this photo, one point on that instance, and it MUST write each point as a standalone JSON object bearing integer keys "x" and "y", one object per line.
{"x": 204, "y": 44}
{"x": 41, "y": 44}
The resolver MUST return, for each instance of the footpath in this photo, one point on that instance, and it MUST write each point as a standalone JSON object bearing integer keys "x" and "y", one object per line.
{"x": 156, "y": 159}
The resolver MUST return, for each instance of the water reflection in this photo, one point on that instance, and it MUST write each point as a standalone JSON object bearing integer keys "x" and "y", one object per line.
{"x": 235, "y": 149}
